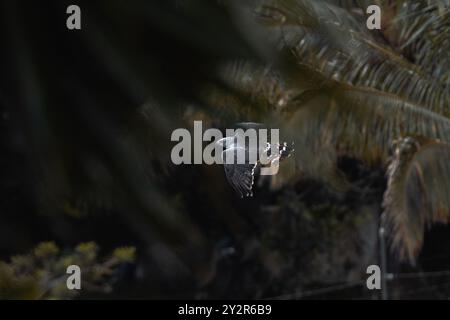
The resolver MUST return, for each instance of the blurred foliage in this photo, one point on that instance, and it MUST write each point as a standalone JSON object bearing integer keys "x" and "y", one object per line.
{"x": 41, "y": 274}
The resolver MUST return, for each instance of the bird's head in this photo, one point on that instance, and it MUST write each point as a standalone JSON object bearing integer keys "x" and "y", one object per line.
{"x": 225, "y": 142}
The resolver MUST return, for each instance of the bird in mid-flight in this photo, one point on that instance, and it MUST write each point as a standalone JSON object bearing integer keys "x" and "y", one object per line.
{"x": 241, "y": 174}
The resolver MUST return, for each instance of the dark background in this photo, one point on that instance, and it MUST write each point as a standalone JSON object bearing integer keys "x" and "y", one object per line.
{"x": 80, "y": 161}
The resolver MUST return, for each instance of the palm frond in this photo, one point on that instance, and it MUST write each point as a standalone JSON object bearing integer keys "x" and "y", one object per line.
{"x": 354, "y": 56}
{"x": 356, "y": 122}
{"x": 421, "y": 30}
{"x": 418, "y": 193}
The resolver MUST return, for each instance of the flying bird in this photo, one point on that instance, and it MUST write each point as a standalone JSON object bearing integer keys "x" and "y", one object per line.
{"x": 242, "y": 161}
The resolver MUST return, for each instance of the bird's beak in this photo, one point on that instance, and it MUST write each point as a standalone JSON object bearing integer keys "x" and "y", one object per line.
{"x": 222, "y": 142}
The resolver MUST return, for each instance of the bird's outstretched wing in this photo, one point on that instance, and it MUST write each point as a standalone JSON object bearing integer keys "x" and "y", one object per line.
{"x": 240, "y": 176}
